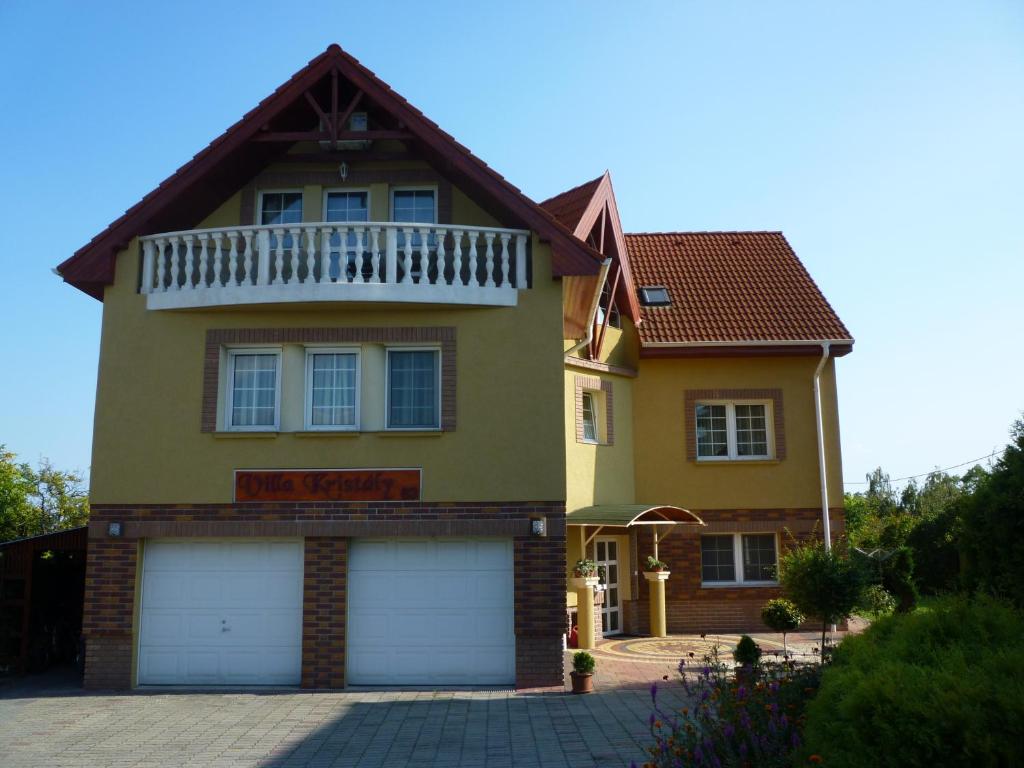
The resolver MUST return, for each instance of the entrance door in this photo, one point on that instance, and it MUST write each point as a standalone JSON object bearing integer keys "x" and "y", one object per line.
{"x": 607, "y": 559}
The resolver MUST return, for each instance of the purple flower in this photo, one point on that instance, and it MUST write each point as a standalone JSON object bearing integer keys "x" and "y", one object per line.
{"x": 652, "y": 720}
{"x": 741, "y": 692}
{"x": 728, "y": 730}
{"x": 654, "y": 691}
{"x": 743, "y": 749}
{"x": 795, "y": 739}
{"x": 698, "y": 755}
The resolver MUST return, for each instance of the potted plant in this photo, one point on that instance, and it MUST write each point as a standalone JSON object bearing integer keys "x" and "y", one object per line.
{"x": 582, "y": 672}
{"x": 656, "y": 570}
{"x": 747, "y": 656}
{"x": 655, "y": 565}
{"x": 584, "y": 574}
{"x": 781, "y": 615}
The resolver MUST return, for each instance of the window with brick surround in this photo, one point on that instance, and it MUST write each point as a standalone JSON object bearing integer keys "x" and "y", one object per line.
{"x": 738, "y": 558}
{"x": 254, "y": 389}
{"x": 735, "y": 431}
{"x": 589, "y": 418}
{"x": 332, "y": 388}
{"x": 413, "y": 389}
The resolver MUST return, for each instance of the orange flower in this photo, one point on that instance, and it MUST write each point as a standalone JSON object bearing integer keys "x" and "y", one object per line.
{"x": 814, "y": 759}
{"x": 657, "y": 723}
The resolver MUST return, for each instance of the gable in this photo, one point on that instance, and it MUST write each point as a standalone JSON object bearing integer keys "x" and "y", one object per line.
{"x": 314, "y": 105}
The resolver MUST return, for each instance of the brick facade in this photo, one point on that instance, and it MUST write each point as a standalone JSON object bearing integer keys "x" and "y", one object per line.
{"x": 324, "y": 602}
{"x": 693, "y": 608}
{"x": 538, "y": 562}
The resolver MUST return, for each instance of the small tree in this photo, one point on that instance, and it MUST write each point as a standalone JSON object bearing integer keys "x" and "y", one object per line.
{"x": 821, "y": 582}
{"x": 780, "y": 615}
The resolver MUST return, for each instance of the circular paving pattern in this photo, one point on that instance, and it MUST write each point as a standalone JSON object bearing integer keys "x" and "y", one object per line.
{"x": 671, "y": 649}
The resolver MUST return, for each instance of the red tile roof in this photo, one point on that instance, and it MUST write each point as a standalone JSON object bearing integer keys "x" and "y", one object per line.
{"x": 729, "y": 287}
{"x": 568, "y": 207}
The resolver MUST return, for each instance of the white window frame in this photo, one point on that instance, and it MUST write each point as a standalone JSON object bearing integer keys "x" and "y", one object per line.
{"x": 730, "y": 430}
{"x": 229, "y": 398}
{"x": 737, "y": 558}
{"x": 351, "y": 190}
{"x": 596, "y": 440}
{"x": 422, "y": 188}
{"x": 259, "y": 205}
{"x": 387, "y": 387}
{"x": 308, "y": 407}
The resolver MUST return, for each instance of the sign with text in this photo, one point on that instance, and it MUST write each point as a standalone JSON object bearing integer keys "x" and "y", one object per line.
{"x": 327, "y": 485}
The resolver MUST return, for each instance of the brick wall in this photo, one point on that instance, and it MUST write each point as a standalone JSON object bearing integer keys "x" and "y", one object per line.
{"x": 693, "y": 608}
{"x": 539, "y": 564}
{"x": 108, "y": 613}
{"x": 324, "y": 602}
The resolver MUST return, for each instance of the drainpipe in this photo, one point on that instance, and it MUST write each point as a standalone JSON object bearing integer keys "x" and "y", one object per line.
{"x": 827, "y": 528}
{"x": 601, "y": 277}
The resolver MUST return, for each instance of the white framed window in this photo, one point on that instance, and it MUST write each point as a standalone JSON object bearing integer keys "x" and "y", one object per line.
{"x": 589, "y": 417}
{"x": 413, "y": 389}
{"x": 332, "y": 388}
{"x": 416, "y": 205}
{"x": 281, "y": 207}
{"x": 733, "y": 430}
{"x": 253, "y": 390}
{"x": 348, "y": 205}
{"x": 739, "y": 558}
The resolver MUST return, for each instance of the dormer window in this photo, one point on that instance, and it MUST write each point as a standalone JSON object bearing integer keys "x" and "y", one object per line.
{"x": 655, "y": 296}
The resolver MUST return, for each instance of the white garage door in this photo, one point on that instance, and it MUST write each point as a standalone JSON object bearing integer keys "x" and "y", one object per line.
{"x": 430, "y": 612}
{"x": 221, "y": 613}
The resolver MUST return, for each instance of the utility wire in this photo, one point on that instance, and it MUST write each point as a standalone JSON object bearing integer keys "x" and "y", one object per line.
{"x": 932, "y": 472}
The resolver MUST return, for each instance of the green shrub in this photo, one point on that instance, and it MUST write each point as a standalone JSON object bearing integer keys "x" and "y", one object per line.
{"x": 898, "y": 579}
{"x": 822, "y": 582}
{"x": 877, "y": 601}
{"x": 942, "y": 684}
{"x": 583, "y": 663}
{"x": 747, "y": 653}
{"x": 781, "y": 615}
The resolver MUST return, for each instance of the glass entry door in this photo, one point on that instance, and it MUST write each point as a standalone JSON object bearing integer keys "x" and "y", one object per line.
{"x": 607, "y": 559}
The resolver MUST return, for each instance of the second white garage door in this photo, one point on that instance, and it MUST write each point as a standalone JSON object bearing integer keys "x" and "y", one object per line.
{"x": 430, "y": 612}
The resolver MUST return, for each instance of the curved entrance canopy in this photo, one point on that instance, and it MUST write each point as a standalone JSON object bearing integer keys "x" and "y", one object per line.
{"x": 628, "y": 515}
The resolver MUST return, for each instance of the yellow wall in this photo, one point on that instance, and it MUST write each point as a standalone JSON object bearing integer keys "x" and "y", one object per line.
{"x": 663, "y": 474}
{"x": 599, "y": 474}
{"x": 148, "y": 447}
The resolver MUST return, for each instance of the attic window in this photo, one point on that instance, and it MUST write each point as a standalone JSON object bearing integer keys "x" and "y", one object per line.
{"x": 655, "y": 296}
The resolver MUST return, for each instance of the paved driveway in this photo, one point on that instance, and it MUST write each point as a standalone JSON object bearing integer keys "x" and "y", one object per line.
{"x": 59, "y": 726}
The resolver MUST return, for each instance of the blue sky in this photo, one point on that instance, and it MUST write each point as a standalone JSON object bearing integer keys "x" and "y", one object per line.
{"x": 883, "y": 138}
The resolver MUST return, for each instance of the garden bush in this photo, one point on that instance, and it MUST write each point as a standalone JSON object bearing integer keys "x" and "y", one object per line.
{"x": 756, "y": 721}
{"x": 877, "y": 602}
{"x": 943, "y": 685}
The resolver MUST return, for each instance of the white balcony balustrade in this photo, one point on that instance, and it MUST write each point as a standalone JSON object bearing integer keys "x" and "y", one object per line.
{"x": 334, "y": 261}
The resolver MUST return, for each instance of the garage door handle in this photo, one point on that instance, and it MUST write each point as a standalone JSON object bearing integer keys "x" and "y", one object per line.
{"x": 225, "y": 629}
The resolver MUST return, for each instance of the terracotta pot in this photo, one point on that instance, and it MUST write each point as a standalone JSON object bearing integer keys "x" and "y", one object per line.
{"x": 582, "y": 682}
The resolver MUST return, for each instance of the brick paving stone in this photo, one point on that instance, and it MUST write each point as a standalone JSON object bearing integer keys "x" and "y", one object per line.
{"x": 49, "y": 721}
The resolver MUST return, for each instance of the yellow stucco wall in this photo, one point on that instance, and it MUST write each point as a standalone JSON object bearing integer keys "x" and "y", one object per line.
{"x": 663, "y": 474}
{"x": 148, "y": 447}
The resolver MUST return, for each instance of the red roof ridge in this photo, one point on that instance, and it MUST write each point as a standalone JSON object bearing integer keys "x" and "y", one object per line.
{"x": 572, "y": 190}
{"x": 709, "y": 232}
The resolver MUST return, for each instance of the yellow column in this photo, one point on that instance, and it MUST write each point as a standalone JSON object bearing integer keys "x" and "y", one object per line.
{"x": 584, "y": 612}
{"x": 656, "y": 587}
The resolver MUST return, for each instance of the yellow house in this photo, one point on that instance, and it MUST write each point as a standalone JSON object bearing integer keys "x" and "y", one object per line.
{"x": 362, "y": 406}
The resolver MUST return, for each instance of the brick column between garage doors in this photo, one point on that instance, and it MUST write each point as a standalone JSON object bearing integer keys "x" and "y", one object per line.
{"x": 324, "y": 610}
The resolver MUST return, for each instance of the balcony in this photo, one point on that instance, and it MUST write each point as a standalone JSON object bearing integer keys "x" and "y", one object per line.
{"x": 334, "y": 261}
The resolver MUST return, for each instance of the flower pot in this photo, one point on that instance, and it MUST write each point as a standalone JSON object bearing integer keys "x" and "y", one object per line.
{"x": 582, "y": 682}
{"x": 578, "y": 582}
{"x": 656, "y": 575}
